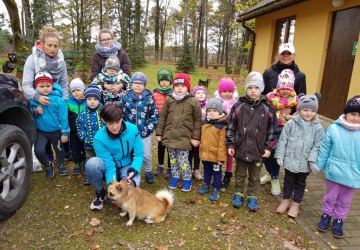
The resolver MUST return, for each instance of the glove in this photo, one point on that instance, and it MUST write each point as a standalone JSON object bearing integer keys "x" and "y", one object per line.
{"x": 313, "y": 168}
{"x": 280, "y": 162}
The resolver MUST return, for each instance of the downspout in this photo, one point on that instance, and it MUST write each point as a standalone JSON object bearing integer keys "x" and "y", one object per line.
{"x": 251, "y": 53}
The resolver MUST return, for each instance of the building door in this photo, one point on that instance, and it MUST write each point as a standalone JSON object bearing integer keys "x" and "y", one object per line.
{"x": 339, "y": 62}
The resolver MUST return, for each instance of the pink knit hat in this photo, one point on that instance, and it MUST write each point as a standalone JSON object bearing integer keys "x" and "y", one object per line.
{"x": 226, "y": 84}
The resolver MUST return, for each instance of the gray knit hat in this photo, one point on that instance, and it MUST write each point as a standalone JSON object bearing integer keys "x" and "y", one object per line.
{"x": 215, "y": 103}
{"x": 309, "y": 101}
{"x": 77, "y": 83}
{"x": 255, "y": 79}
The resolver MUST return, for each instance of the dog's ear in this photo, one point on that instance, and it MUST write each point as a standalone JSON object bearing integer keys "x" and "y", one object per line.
{"x": 119, "y": 187}
{"x": 112, "y": 182}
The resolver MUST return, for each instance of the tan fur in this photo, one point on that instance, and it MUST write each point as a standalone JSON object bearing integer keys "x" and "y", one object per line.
{"x": 140, "y": 203}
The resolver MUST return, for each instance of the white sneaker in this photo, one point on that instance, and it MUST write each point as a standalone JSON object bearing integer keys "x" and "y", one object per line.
{"x": 265, "y": 179}
{"x": 275, "y": 187}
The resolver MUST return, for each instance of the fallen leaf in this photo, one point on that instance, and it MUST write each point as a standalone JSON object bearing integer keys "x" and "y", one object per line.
{"x": 122, "y": 242}
{"x": 180, "y": 242}
{"x": 194, "y": 228}
{"x": 161, "y": 247}
{"x": 222, "y": 215}
{"x": 94, "y": 222}
{"x": 221, "y": 204}
{"x": 333, "y": 247}
{"x": 90, "y": 232}
{"x": 214, "y": 212}
{"x": 77, "y": 233}
{"x": 289, "y": 246}
{"x": 113, "y": 246}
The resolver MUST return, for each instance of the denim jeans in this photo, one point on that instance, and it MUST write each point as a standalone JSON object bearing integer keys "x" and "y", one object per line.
{"x": 95, "y": 172}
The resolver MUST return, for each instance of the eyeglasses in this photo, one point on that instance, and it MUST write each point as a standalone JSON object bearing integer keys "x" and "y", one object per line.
{"x": 106, "y": 40}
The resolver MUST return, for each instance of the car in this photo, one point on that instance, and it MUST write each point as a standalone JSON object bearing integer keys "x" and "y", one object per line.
{"x": 17, "y": 135}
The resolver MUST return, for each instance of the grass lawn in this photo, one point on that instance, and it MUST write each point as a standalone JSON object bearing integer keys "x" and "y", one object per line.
{"x": 56, "y": 215}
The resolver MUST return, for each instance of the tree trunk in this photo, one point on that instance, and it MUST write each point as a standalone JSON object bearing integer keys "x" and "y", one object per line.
{"x": 206, "y": 33}
{"x": 101, "y": 16}
{"x": 186, "y": 19}
{"x": 14, "y": 22}
{"x": 157, "y": 28}
{"x": 201, "y": 38}
{"x": 199, "y": 29}
{"x": 146, "y": 15}
{"x": 28, "y": 22}
{"x": 163, "y": 28}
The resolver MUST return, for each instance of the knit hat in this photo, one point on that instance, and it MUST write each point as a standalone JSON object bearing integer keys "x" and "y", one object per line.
{"x": 182, "y": 78}
{"x": 112, "y": 63}
{"x": 353, "y": 105}
{"x": 197, "y": 88}
{"x": 255, "y": 79}
{"x": 43, "y": 76}
{"x": 286, "y": 80}
{"x": 165, "y": 74}
{"x": 139, "y": 77}
{"x": 226, "y": 84}
{"x": 93, "y": 91}
{"x": 215, "y": 103}
{"x": 78, "y": 84}
{"x": 309, "y": 101}
{"x": 286, "y": 47}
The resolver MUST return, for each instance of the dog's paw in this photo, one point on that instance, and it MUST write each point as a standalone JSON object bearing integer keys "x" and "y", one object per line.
{"x": 149, "y": 221}
{"x": 122, "y": 214}
{"x": 129, "y": 223}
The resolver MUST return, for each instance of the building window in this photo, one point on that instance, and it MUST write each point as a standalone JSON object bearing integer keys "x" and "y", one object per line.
{"x": 284, "y": 32}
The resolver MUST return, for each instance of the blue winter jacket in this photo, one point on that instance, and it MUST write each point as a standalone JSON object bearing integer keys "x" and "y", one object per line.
{"x": 55, "y": 115}
{"x": 119, "y": 152}
{"x": 340, "y": 155}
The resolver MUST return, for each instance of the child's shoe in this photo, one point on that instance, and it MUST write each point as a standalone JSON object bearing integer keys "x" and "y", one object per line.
{"x": 252, "y": 203}
{"x": 62, "y": 169}
{"x": 284, "y": 205}
{"x": 324, "y": 223}
{"x": 198, "y": 175}
{"x": 173, "y": 183}
{"x": 159, "y": 170}
{"x": 203, "y": 189}
{"x": 275, "y": 187}
{"x": 76, "y": 169}
{"x": 294, "y": 210}
{"x": 168, "y": 174}
{"x": 149, "y": 177}
{"x": 337, "y": 231}
{"x": 97, "y": 203}
{"x": 238, "y": 200}
{"x": 265, "y": 179}
{"x": 186, "y": 186}
{"x": 49, "y": 170}
{"x": 214, "y": 196}
{"x": 226, "y": 180}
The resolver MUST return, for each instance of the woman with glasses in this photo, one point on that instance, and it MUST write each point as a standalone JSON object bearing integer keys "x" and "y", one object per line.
{"x": 107, "y": 47}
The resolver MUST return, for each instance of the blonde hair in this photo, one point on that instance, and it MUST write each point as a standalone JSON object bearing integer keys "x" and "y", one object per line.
{"x": 48, "y": 31}
{"x": 104, "y": 31}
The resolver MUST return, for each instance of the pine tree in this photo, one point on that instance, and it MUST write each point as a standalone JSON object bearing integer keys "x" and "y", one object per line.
{"x": 186, "y": 63}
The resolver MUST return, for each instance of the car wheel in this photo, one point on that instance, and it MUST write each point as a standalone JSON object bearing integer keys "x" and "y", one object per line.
{"x": 15, "y": 169}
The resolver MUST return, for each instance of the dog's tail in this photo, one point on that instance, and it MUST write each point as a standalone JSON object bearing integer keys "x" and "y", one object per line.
{"x": 167, "y": 196}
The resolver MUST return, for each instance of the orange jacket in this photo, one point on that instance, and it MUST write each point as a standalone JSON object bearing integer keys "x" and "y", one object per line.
{"x": 159, "y": 99}
{"x": 212, "y": 145}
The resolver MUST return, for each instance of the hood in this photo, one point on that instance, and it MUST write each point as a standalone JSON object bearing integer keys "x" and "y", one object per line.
{"x": 296, "y": 117}
{"x": 57, "y": 90}
{"x": 132, "y": 95}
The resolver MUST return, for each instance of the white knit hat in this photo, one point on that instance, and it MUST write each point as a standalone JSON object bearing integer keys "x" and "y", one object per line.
{"x": 77, "y": 83}
{"x": 255, "y": 79}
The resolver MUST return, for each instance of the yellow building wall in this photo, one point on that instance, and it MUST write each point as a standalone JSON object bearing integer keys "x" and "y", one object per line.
{"x": 312, "y": 31}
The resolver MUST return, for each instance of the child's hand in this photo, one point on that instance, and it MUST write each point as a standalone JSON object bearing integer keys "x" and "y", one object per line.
{"x": 266, "y": 154}
{"x": 128, "y": 179}
{"x": 39, "y": 110}
{"x": 286, "y": 112}
{"x": 287, "y": 117}
{"x": 231, "y": 151}
{"x": 44, "y": 100}
{"x": 195, "y": 143}
{"x": 64, "y": 138}
{"x": 280, "y": 162}
{"x": 107, "y": 86}
{"x": 313, "y": 168}
{"x": 116, "y": 88}
{"x": 159, "y": 138}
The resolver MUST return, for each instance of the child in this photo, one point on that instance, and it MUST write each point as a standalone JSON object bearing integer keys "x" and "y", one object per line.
{"x": 76, "y": 104}
{"x": 88, "y": 122}
{"x": 250, "y": 135}
{"x": 213, "y": 136}
{"x": 112, "y": 81}
{"x": 179, "y": 129}
{"x": 296, "y": 150}
{"x": 283, "y": 97}
{"x": 160, "y": 94}
{"x": 339, "y": 155}
{"x": 199, "y": 93}
{"x": 51, "y": 123}
{"x": 140, "y": 109}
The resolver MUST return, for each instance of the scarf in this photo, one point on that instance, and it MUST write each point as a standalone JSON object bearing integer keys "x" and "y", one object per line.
{"x": 178, "y": 97}
{"x": 108, "y": 51}
{"x": 280, "y": 67}
{"x": 348, "y": 125}
{"x": 53, "y": 65}
{"x": 165, "y": 91}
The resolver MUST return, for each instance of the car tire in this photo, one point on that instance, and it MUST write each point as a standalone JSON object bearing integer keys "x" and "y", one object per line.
{"x": 15, "y": 169}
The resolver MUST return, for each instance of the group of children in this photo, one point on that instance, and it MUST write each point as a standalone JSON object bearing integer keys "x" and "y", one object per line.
{"x": 280, "y": 129}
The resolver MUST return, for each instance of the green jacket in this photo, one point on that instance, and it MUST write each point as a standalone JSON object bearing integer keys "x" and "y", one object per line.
{"x": 179, "y": 121}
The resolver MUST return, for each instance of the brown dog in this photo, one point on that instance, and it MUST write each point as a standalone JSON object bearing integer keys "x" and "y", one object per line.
{"x": 140, "y": 203}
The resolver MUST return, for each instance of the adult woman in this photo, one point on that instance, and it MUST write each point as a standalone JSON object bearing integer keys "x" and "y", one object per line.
{"x": 105, "y": 48}
{"x": 286, "y": 61}
{"x": 46, "y": 56}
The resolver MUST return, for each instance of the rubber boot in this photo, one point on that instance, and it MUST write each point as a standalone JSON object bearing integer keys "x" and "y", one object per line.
{"x": 226, "y": 181}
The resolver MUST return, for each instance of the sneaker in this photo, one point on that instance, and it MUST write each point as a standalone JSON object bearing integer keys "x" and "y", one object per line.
{"x": 203, "y": 189}
{"x": 337, "y": 231}
{"x": 265, "y": 179}
{"x": 324, "y": 223}
{"x": 275, "y": 187}
{"x": 198, "y": 175}
{"x": 186, "y": 187}
{"x": 97, "y": 203}
{"x": 237, "y": 201}
{"x": 62, "y": 169}
{"x": 226, "y": 180}
{"x": 149, "y": 177}
{"x": 49, "y": 170}
{"x": 173, "y": 183}
{"x": 86, "y": 180}
{"x": 214, "y": 196}
{"x": 252, "y": 204}
{"x": 159, "y": 170}
{"x": 76, "y": 169}
{"x": 168, "y": 174}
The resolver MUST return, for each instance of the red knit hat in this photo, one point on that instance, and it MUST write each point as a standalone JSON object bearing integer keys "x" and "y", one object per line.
{"x": 182, "y": 78}
{"x": 43, "y": 76}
